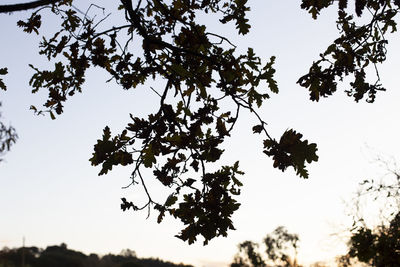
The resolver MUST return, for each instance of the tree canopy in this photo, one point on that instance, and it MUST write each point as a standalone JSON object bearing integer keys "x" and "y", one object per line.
{"x": 376, "y": 242}
{"x": 65, "y": 257}
{"x": 280, "y": 251}
{"x": 202, "y": 71}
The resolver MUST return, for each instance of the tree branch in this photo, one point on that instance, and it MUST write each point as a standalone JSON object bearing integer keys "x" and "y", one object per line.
{"x": 26, "y": 6}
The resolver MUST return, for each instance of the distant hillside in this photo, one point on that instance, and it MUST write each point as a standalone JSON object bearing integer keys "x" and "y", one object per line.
{"x": 61, "y": 256}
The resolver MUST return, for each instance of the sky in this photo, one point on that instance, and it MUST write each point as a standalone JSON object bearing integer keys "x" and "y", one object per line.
{"x": 50, "y": 194}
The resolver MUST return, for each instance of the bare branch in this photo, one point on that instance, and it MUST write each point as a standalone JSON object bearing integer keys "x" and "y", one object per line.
{"x": 26, "y": 6}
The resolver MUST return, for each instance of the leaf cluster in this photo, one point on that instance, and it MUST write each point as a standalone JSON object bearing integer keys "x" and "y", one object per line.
{"x": 357, "y": 48}
{"x": 181, "y": 141}
{"x": 291, "y": 151}
{"x": 3, "y": 71}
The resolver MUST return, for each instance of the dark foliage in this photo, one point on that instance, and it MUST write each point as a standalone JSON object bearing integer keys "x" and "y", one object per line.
{"x": 201, "y": 68}
{"x": 357, "y": 48}
{"x": 377, "y": 245}
{"x": 61, "y": 256}
{"x": 280, "y": 251}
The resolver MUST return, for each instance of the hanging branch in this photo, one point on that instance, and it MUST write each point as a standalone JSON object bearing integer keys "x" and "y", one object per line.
{"x": 26, "y": 6}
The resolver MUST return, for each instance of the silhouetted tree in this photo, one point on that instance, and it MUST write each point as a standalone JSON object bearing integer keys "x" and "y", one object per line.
{"x": 248, "y": 256}
{"x": 376, "y": 245}
{"x": 280, "y": 251}
{"x": 201, "y": 69}
{"x": 13, "y": 257}
{"x": 379, "y": 246}
{"x": 61, "y": 256}
{"x": 280, "y": 244}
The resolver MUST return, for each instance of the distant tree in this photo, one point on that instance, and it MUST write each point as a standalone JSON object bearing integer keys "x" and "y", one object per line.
{"x": 376, "y": 244}
{"x": 128, "y": 253}
{"x": 280, "y": 251}
{"x": 13, "y": 257}
{"x": 282, "y": 247}
{"x": 202, "y": 70}
{"x": 248, "y": 256}
{"x": 61, "y": 256}
{"x": 379, "y": 246}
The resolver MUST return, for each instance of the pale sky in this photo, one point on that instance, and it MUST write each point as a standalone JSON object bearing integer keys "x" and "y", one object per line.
{"x": 50, "y": 194}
